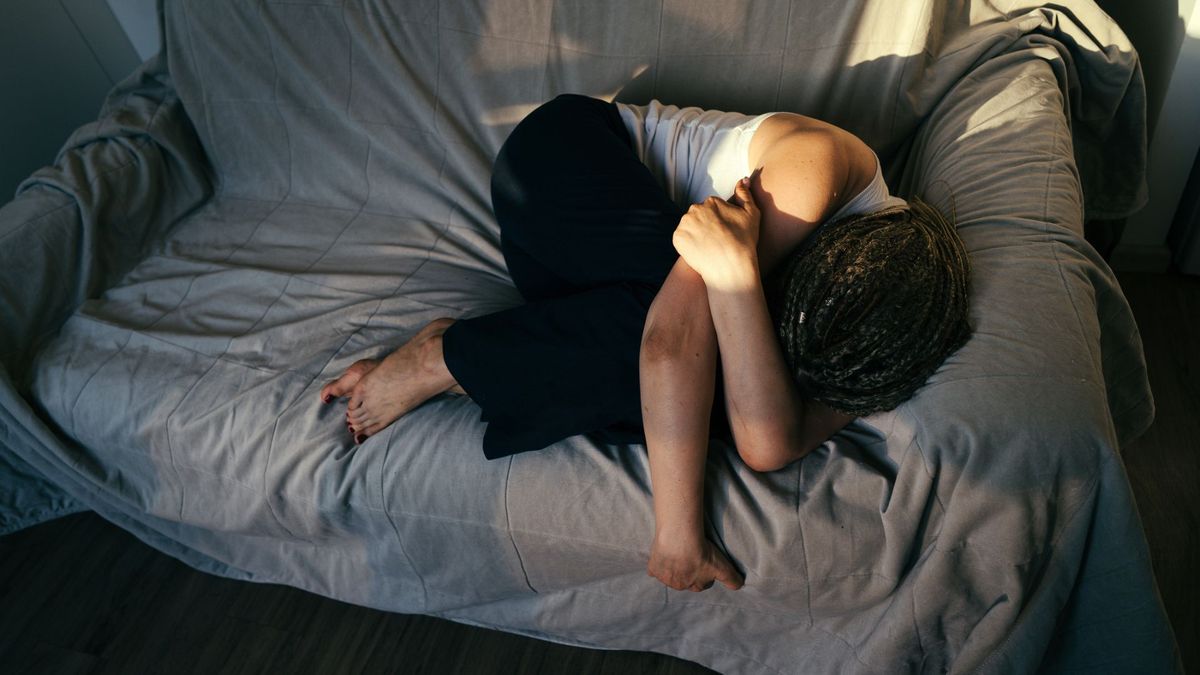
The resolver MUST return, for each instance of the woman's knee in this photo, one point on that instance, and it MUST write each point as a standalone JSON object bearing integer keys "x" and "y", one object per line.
{"x": 531, "y": 152}
{"x": 546, "y": 133}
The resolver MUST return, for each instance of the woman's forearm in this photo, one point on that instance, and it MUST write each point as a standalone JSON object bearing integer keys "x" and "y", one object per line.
{"x": 678, "y": 373}
{"x": 766, "y": 412}
{"x": 677, "y": 395}
{"x": 772, "y": 426}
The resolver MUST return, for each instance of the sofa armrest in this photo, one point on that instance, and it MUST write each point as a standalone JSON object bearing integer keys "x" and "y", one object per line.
{"x": 76, "y": 227}
{"x": 1001, "y": 154}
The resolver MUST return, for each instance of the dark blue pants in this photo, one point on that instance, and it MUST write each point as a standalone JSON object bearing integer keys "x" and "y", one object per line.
{"x": 586, "y": 233}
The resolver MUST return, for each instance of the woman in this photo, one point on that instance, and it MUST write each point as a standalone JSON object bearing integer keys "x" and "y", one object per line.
{"x": 638, "y": 274}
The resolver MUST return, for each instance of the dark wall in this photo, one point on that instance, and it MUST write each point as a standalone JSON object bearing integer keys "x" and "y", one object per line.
{"x": 57, "y": 61}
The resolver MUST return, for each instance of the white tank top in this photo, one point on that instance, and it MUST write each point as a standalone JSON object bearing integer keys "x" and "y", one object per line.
{"x": 695, "y": 153}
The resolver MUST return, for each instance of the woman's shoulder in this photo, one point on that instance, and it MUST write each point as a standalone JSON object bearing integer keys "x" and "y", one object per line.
{"x": 799, "y": 141}
{"x": 822, "y": 165}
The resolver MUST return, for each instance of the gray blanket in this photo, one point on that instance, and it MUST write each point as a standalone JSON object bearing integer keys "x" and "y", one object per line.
{"x": 289, "y": 187}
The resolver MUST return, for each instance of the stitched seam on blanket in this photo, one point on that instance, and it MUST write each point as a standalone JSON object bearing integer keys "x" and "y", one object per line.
{"x": 695, "y": 603}
{"x": 291, "y": 278}
{"x": 1053, "y": 245}
{"x": 904, "y": 71}
{"x": 349, "y": 66}
{"x": 925, "y": 464}
{"x": 152, "y": 336}
{"x": 658, "y": 48}
{"x": 213, "y": 266}
{"x": 550, "y": 43}
{"x": 786, "y": 37}
{"x": 201, "y": 79}
{"x": 297, "y": 201}
{"x": 803, "y": 549}
{"x": 915, "y": 443}
{"x": 81, "y": 480}
{"x": 190, "y": 389}
{"x": 20, "y": 230}
{"x": 597, "y": 645}
{"x": 323, "y": 506}
{"x": 1140, "y": 403}
{"x": 709, "y": 645}
{"x": 1014, "y": 376}
{"x": 391, "y": 521}
{"x": 223, "y": 357}
{"x": 617, "y": 57}
{"x": 89, "y": 184}
{"x": 291, "y": 170}
{"x": 509, "y": 528}
{"x": 1135, "y": 370}
{"x": 437, "y": 80}
{"x": 623, "y": 597}
{"x": 1122, "y": 311}
{"x": 79, "y": 394}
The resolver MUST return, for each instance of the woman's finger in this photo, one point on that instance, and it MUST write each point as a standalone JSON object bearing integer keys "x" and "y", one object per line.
{"x": 746, "y": 196}
{"x": 727, "y": 574}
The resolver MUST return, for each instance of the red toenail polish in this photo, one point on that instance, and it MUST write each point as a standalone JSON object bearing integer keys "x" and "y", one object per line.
{"x": 360, "y": 438}
{"x": 328, "y": 398}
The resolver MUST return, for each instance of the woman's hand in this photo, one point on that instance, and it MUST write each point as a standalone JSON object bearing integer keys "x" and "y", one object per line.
{"x": 692, "y": 567}
{"x": 719, "y": 239}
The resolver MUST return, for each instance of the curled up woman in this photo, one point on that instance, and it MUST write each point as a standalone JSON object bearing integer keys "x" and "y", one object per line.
{"x": 688, "y": 274}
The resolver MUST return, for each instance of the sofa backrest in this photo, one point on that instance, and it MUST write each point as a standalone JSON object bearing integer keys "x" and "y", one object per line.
{"x": 309, "y": 99}
{"x": 332, "y": 102}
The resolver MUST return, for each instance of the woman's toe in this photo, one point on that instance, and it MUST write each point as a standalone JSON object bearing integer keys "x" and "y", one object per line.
{"x": 343, "y": 385}
{"x": 339, "y": 387}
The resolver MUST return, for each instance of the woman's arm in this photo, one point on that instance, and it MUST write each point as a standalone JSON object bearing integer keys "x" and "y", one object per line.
{"x": 772, "y": 425}
{"x": 678, "y": 373}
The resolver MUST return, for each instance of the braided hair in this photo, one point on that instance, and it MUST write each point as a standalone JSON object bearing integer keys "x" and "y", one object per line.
{"x": 870, "y": 305}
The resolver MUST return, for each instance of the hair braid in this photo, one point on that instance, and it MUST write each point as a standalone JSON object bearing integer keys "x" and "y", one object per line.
{"x": 871, "y": 305}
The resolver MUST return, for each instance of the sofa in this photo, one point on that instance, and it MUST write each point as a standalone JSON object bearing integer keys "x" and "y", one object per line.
{"x": 288, "y": 187}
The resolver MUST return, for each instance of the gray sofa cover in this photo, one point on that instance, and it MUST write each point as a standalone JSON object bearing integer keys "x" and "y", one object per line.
{"x": 291, "y": 186}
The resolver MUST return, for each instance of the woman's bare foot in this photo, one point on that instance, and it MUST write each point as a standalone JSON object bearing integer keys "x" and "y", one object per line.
{"x": 381, "y": 391}
{"x": 342, "y": 386}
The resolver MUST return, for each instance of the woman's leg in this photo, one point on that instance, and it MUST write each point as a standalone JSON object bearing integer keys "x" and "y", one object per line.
{"x": 576, "y": 207}
{"x": 586, "y": 232}
{"x": 380, "y": 391}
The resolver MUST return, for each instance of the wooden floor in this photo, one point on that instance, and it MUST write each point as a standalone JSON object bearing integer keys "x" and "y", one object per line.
{"x": 1164, "y": 464}
{"x": 79, "y": 595}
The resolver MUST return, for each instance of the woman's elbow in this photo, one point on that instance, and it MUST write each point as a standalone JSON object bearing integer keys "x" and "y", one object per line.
{"x": 663, "y": 347}
{"x": 770, "y": 452}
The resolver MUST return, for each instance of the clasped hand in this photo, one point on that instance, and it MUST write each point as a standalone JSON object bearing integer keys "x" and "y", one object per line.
{"x": 691, "y": 565}
{"x": 719, "y": 239}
